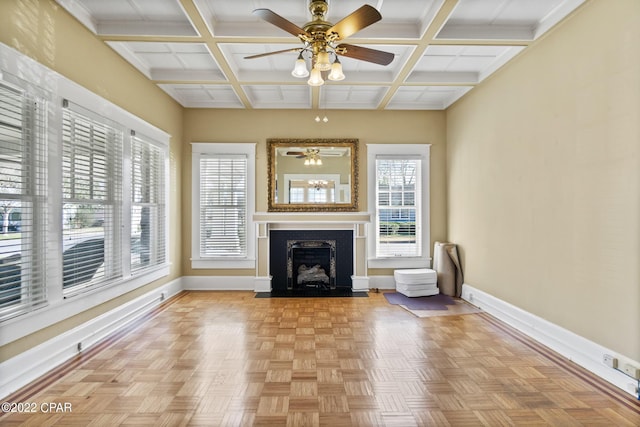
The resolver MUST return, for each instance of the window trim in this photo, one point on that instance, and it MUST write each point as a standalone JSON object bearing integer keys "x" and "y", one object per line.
{"x": 215, "y": 148}
{"x": 23, "y": 72}
{"x": 421, "y": 151}
{"x": 164, "y": 203}
{"x": 34, "y": 197}
{"x": 114, "y": 159}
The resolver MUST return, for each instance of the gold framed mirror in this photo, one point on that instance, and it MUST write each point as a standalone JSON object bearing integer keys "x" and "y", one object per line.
{"x": 313, "y": 175}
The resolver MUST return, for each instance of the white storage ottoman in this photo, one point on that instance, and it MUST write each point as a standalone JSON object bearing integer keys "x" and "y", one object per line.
{"x": 419, "y": 282}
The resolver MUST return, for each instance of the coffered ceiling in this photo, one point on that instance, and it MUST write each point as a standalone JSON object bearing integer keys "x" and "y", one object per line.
{"x": 195, "y": 49}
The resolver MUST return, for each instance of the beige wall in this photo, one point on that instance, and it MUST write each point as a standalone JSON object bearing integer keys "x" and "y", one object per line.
{"x": 541, "y": 181}
{"x": 544, "y": 178}
{"x": 370, "y": 127}
{"x": 45, "y": 32}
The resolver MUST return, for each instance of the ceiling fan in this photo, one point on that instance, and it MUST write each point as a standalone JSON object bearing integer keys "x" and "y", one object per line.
{"x": 303, "y": 154}
{"x": 321, "y": 39}
{"x": 316, "y": 152}
{"x": 311, "y": 156}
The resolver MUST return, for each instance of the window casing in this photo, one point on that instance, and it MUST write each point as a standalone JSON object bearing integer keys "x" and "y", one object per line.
{"x": 92, "y": 200}
{"x": 66, "y": 185}
{"x": 23, "y": 197}
{"x": 399, "y": 205}
{"x": 148, "y": 204}
{"x": 223, "y": 203}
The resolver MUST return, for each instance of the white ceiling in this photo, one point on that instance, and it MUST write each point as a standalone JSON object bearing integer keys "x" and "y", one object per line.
{"x": 194, "y": 49}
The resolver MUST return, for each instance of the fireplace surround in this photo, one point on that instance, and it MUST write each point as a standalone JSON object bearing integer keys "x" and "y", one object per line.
{"x": 350, "y": 228}
{"x": 328, "y": 250}
{"x": 311, "y": 263}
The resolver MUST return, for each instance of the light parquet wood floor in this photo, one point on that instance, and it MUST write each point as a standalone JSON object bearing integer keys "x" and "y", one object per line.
{"x": 229, "y": 359}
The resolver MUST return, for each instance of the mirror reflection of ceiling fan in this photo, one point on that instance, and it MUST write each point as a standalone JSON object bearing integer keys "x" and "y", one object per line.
{"x": 317, "y": 152}
{"x": 321, "y": 39}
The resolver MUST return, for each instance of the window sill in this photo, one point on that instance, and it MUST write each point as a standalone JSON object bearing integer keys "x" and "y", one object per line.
{"x": 66, "y": 307}
{"x": 222, "y": 263}
{"x": 399, "y": 262}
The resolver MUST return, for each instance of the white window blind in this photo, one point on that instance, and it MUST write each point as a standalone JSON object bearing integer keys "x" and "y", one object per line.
{"x": 92, "y": 199}
{"x": 398, "y": 202}
{"x": 23, "y": 196}
{"x": 223, "y": 206}
{"x": 148, "y": 204}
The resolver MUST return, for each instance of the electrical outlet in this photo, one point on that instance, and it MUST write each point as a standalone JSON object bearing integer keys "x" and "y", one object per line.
{"x": 610, "y": 361}
{"x": 632, "y": 371}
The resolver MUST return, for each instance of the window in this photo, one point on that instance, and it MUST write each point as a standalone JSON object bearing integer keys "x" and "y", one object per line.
{"x": 223, "y": 205}
{"x": 398, "y": 207}
{"x": 23, "y": 196}
{"x": 399, "y": 203}
{"x": 148, "y": 233}
{"x": 92, "y": 199}
{"x": 311, "y": 191}
{"x": 75, "y": 188}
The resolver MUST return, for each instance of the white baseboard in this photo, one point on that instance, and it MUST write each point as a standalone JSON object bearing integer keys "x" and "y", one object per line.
{"x": 382, "y": 282}
{"x": 37, "y": 361}
{"x": 262, "y": 284}
{"x": 359, "y": 283}
{"x": 219, "y": 283}
{"x": 574, "y": 347}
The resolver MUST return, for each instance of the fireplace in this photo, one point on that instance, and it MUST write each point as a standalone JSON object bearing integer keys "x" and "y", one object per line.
{"x": 303, "y": 259}
{"x": 311, "y": 263}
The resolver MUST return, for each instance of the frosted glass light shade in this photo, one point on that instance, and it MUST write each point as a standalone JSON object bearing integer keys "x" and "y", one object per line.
{"x": 300, "y": 68}
{"x": 322, "y": 62}
{"x": 336, "y": 73}
{"x": 316, "y": 78}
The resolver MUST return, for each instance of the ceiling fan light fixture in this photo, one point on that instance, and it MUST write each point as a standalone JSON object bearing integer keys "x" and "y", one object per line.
{"x": 316, "y": 78}
{"x": 322, "y": 38}
{"x": 322, "y": 61}
{"x": 336, "y": 73}
{"x": 300, "y": 68}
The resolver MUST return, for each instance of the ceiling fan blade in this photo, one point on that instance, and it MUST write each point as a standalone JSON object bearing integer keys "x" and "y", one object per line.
{"x": 366, "y": 54}
{"x": 351, "y": 24}
{"x": 280, "y": 22}
{"x": 260, "y": 55}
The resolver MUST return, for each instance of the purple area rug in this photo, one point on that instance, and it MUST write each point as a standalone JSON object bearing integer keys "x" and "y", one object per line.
{"x": 434, "y": 302}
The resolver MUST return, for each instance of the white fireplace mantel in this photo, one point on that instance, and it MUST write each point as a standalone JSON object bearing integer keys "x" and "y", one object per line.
{"x": 312, "y": 218}
{"x": 356, "y": 221}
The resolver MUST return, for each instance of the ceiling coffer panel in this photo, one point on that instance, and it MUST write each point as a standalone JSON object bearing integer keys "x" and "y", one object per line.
{"x": 369, "y": 55}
